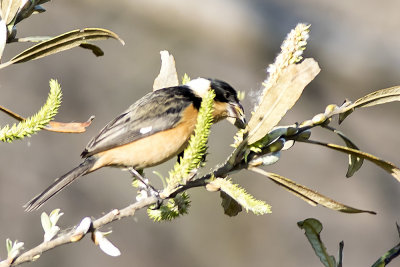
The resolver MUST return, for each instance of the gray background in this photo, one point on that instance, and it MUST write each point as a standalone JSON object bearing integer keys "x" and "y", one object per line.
{"x": 356, "y": 45}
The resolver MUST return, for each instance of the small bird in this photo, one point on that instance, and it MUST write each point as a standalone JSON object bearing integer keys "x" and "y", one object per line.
{"x": 153, "y": 130}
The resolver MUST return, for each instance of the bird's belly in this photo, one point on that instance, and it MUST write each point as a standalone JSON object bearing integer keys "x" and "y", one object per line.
{"x": 149, "y": 151}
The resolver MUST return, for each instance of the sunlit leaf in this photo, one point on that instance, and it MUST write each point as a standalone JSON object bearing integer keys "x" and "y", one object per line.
{"x": 375, "y": 98}
{"x": 168, "y": 76}
{"x": 387, "y": 166}
{"x": 3, "y": 36}
{"x": 9, "y": 9}
{"x": 312, "y": 197}
{"x": 379, "y": 97}
{"x": 61, "y": 43}
{"x": 313, "y": 228}
{"x": 33, "y": 39}
{"x": 355, "y": 162}
{"x": 281, "y": 97}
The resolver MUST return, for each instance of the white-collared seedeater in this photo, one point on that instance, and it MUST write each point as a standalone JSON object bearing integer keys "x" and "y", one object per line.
{"x": 153, "y": 130}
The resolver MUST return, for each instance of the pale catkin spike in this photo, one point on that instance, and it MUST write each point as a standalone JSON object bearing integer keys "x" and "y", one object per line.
{"x": 291, "y": 52}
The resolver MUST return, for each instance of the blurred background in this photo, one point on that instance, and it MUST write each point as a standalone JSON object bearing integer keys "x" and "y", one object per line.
{"x": 356, "y": 44}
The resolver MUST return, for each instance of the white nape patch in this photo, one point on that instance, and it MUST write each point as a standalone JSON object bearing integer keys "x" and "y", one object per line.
{"x": 200, "y": 86}
{"x": 145, "y": 130}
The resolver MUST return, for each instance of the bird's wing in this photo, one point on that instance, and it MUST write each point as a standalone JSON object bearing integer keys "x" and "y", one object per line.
{"x": 157, "y": 111}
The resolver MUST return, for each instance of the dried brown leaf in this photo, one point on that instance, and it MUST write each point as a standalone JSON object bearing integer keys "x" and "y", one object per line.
{"x": 382, "y": 96}
{"x": 312, "y": 197}
{"x": 386, "y": 165}
{"x": 61, "y": 43}
{"x": 69, "y": 127}
{"x": 54, "y": 126}
{"x": 281, "y": 97}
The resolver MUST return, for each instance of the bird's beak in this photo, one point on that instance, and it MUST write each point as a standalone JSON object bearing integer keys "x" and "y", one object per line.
{"x": 236, "y": 115}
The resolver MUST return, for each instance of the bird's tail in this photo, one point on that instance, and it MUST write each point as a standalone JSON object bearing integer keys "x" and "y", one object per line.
{"x": 59, "y": 184}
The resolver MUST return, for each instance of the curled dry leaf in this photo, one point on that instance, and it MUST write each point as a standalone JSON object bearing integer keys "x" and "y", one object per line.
{"x": 69, "y": 127}
{"x": 54, "y": 126}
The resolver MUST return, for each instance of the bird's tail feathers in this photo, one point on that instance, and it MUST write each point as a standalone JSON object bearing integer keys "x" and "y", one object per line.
{"x": 59, "y": 184}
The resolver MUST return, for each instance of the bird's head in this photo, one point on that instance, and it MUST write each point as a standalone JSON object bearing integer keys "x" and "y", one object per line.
{"x": 226, "y": 103}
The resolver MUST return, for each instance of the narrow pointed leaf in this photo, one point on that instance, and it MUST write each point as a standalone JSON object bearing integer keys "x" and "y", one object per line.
{"x": 379, "y": 97}
{"x": 386, "y": 165}
{"x": 61, "y": 43}
{"x": 355, "y": 162}
{"x": 312, "y": 197}
{"x": 281, "y": 97}
{"x": 313, "y": 228}
{"x": 340, "y": 258}
{"x": 375, "y": 98}
{"x": 389, "y": 255}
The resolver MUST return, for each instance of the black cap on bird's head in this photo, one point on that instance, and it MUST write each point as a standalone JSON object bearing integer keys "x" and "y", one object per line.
{"x": 226, "y": 105}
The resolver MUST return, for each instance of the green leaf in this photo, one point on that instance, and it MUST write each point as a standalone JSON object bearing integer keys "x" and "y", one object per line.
{"x": 38, "y": 121}
{"x": 387, "y": 166}
{"x": 313, "y": 229}
{"x": 94, "y": 48}
{"x": 355, "y": 162}
{"x": 389, "y": 255}
{"x": 382, "y": 96}
{"x": 61, "y": 43}
{"x": 230, "y": 205}
{"x": 340, "y": 260}
{"x": 312, "y": 197}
